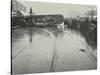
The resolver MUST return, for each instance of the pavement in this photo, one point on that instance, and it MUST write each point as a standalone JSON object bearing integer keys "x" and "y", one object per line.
{"x": 38, "y": 50}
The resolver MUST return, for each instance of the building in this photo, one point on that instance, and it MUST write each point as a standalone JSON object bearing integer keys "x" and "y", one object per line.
{"x": 18, "y": 9}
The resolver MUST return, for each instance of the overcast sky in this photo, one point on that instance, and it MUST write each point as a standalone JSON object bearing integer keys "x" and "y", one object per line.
{"x": 68, "y": 10}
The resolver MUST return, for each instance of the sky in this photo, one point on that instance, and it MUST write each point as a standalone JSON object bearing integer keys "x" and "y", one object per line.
{"x": 67, "y": 10}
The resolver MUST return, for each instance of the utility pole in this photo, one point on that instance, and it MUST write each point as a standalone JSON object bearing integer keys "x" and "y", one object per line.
{"x": 31, "y": 12}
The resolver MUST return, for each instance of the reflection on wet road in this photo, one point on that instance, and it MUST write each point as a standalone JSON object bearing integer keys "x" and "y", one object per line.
{"x": 48, "y": 49}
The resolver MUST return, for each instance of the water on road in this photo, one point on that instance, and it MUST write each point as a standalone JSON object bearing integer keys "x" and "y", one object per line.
{"x": 36, "y": 50}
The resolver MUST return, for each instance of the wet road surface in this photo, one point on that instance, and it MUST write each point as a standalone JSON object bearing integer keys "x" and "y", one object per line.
{"x": 37, "y": 50}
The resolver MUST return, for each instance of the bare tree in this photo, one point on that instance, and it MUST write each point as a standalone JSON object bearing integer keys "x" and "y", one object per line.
{"x": 91, "y": 13}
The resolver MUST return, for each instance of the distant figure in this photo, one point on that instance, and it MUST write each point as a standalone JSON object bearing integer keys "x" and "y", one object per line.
{"x": 61, "y": 26}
